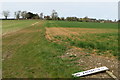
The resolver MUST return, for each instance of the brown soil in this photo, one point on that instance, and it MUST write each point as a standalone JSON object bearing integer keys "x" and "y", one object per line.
{"x": 89, "y": 61}
{"x": 75, "y": 31}
{"x": 70, "y": 32}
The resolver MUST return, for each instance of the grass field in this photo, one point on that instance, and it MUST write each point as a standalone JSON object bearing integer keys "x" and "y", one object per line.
{"x": 81, "y": 24}
{"x": 14, "y": 25}
{"x": 99, "y": 37}
{"x": 27, "y": 53}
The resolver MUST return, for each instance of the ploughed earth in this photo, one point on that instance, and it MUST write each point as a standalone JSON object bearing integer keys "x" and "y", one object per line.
{"x": 84, "y": 59}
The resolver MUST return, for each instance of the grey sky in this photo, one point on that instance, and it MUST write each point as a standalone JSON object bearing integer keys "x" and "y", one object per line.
{"x": 99, "y": 10}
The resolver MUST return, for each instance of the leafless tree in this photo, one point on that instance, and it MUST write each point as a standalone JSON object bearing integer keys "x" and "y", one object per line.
{"x": 23, "y": 14}
{"x": 17, "y": 14}
{"x": 41, "y": 15}
{"x": 54, "y": 15}
{"x": 6, "y": 14}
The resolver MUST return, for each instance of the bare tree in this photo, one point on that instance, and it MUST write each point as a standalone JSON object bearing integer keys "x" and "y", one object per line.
{"x": 54, "y": 15}
{"x": 23, "y": 14}
{"x": 41, "y": 15}
{"x": 6, "y": 14}
{"x": 17, "y": 14}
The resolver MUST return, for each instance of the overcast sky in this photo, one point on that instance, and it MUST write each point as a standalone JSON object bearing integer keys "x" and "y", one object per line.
{"x": 99, "y": 10}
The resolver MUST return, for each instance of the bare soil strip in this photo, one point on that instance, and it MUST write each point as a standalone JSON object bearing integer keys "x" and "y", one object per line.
{"x": 76, "y": 31}
{"x": 55, "y": 31}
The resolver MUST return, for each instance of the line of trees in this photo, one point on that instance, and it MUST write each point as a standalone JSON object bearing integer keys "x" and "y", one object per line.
{"x": 26, "y": 15}
{"x": 54, "y": 16}
{"x": 29, "y": 15}
{"x": 23, "y": 15}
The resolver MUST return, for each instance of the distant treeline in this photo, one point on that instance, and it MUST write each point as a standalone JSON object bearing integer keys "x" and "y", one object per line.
{"x": 22, "y": 15}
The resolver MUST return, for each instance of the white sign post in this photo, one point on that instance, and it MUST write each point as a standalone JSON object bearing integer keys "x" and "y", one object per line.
{"x": 91, "y": 71}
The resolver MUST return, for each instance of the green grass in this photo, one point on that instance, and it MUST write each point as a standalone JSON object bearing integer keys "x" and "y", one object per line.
{"x": 32, "y": 56}
{"x": 14, "y": 25}
{"x": 103, "y": 42}
{"x": 99, "y": 42}
{"x": 81, "y": 24}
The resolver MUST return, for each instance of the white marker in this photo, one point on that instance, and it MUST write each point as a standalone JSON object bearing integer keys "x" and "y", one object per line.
{"x": 91, "y": 71}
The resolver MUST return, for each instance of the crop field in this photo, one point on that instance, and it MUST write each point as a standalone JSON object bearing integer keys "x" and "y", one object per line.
{"x": 102, "y": 40}
{"x": 81, "y": 24}
{"x": 57, "y": 49}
